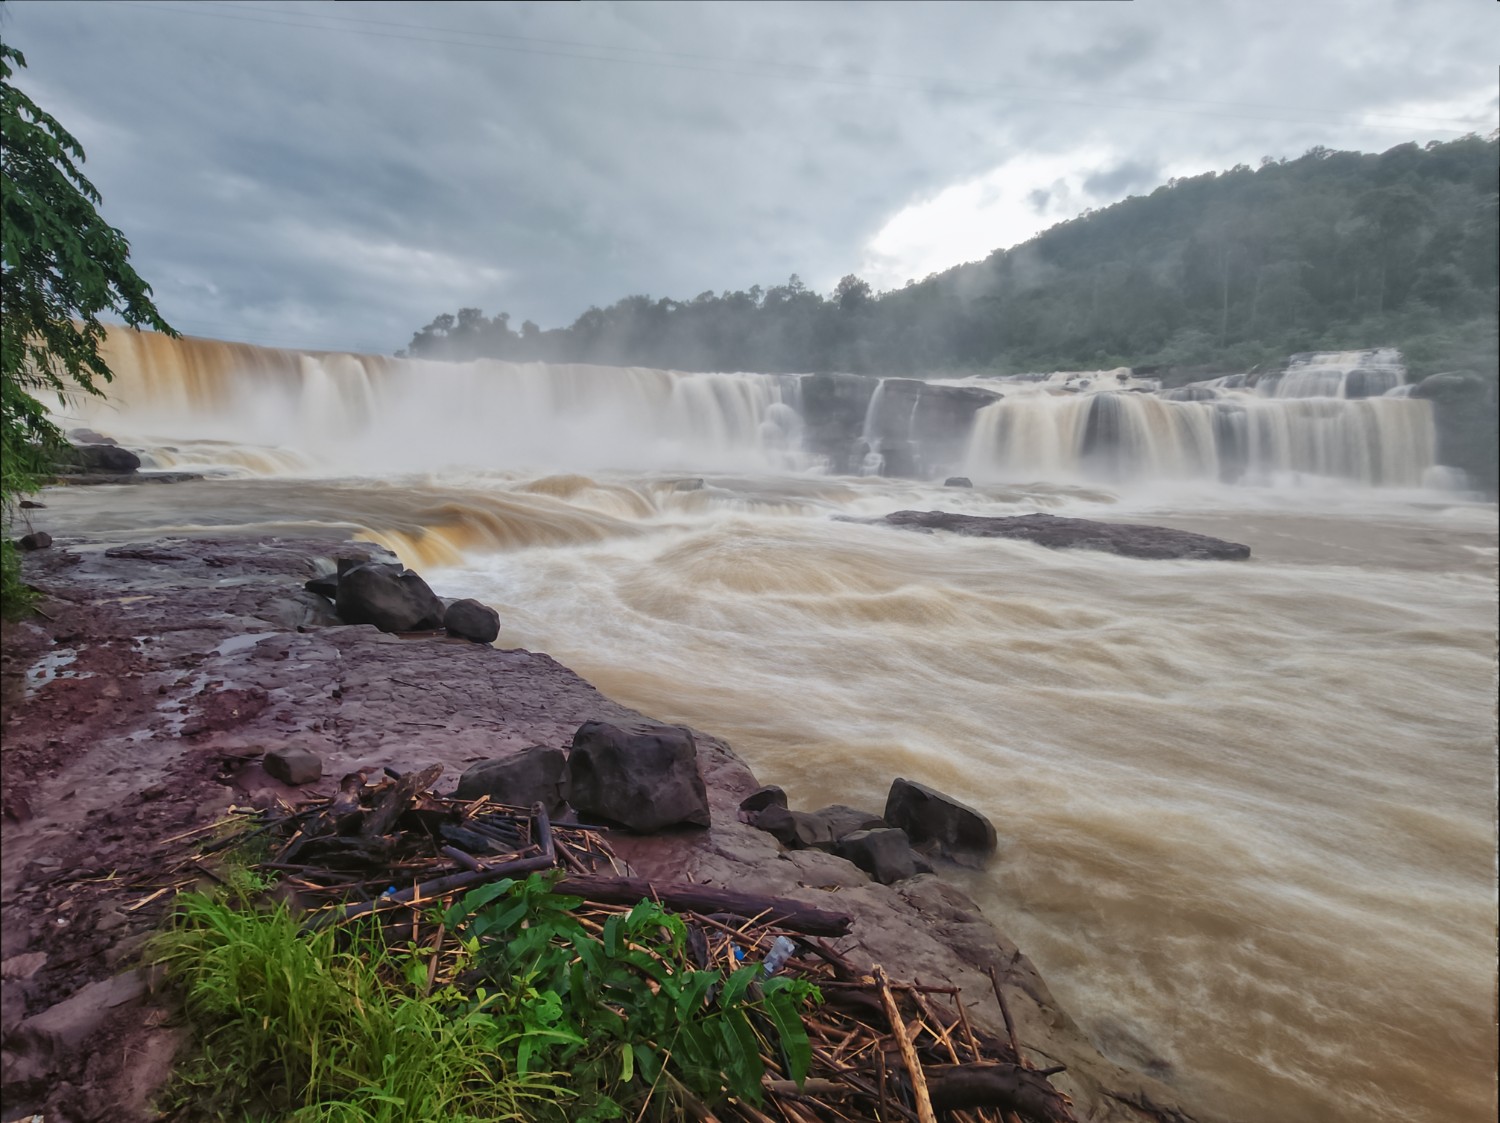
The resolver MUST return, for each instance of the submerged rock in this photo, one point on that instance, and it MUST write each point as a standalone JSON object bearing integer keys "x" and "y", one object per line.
{"x": 1059, "y": 533}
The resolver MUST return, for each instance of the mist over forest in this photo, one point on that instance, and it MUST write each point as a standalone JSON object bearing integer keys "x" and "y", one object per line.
{"x": 1224, "y": 270}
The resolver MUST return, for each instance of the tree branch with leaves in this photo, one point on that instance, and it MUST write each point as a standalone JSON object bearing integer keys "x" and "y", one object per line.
{"x": 61, "y": 267}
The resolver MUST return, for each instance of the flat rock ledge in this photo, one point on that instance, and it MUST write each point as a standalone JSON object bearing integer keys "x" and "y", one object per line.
{"x": 1060, "y": 533}
{"x": 141, "y": 707}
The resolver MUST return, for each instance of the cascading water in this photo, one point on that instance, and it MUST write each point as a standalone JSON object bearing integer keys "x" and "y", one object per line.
{"x": 1319, "y": 418}
{"x": 363, "y": 414}
{"x": 280, "y": 412}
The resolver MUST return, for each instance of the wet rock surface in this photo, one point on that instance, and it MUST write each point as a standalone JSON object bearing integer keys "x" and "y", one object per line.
{"x": 1060, "y": 533}
{"x": 938, "y": 822}
{"x": 183, "y": 672}
{"x": 472, "y": 620}
{"x": 537, "y": 774}
{"x": 639, "y": 775}
{"x": 392, "y": 599}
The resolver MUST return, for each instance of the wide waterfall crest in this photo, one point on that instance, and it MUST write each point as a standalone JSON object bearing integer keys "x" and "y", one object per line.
{"x": 203, "y": 403}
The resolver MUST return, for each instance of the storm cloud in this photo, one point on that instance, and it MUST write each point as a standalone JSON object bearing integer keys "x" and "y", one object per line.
{"x": 332, "y": 176}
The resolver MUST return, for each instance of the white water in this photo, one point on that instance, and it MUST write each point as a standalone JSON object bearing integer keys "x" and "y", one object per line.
{"x": 1247, "y": 811}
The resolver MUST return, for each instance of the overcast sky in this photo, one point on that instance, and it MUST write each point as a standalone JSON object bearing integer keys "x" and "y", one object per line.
{"x": 333, "y": 175}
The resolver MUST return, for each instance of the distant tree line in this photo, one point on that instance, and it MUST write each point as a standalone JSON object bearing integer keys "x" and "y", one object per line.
{"x": 1332, "y": 250}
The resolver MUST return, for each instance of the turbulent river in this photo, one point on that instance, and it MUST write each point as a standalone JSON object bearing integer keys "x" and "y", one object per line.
{"x": 1246, "y": 810}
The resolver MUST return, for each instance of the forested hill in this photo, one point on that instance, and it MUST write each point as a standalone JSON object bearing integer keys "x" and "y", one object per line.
{"x": 1227, "y": 270}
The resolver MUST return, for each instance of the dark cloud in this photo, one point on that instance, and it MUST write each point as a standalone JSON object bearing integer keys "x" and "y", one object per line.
{"x": 1123, "y": 179}
{"x": 335, "y": 175}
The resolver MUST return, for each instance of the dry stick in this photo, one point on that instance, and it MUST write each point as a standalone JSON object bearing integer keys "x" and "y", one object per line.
{"x": 432, "y": 963}
{"x": 935, "y": 1025}
{"x": 903, "y": 1042}
{"x": 1010, "y": 1026}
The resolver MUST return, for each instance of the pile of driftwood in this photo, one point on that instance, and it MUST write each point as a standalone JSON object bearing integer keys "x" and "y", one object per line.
{"x": 882, "y": 1050}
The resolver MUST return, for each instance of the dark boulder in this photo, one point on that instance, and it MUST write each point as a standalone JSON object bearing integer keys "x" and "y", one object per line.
{"x": 884, "y": 853}
{"x": 472, "y": 620}
{"x": 293, "y": 765}
{"x": 534, "y": 775}
{"x": 89, "y": 437}
{"x": 819, "y": 829}
{"x": 327, "y": 585}
{"x": 1060, "y": 533}
{"x": 388, "y": 597}
{"x": 938, "y": 822}
{"x": 837, "y": 820}
{"x": 958, "y": 481}
{"x": 642, "y": 776}
{"x": 943, "y": 422}
{"x": 780, "y": 823}
{"x": 1465, "y": 412}
{"x": 105, "y": 458}
{"x": 761, "y": 798}
{"x": 1367, "y": 382}
{"x": 36, "y": 540}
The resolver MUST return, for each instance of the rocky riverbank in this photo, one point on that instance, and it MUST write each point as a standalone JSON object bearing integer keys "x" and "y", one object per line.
{"x": 139, "y": 707}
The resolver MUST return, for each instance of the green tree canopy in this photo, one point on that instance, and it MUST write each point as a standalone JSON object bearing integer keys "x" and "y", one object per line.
{"x": 61, "y": 267}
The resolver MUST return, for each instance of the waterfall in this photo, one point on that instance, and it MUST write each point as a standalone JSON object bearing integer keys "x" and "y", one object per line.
{"x": 203, "y": 403}
{"x": 368, "y": 414}
{"x": 1234, "y": 434}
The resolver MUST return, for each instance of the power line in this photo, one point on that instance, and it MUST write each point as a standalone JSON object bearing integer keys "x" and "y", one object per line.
{"x": 905, "y": 83}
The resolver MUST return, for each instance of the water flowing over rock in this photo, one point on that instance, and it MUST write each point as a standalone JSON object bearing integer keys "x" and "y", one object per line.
{"x": 643, "y": 777}
{"x": 1083, "y": 534}
{"x": 1341, "y": 415}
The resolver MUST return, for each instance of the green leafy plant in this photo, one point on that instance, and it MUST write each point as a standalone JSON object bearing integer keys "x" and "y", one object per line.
{"x": 624, "y": 1010}
{"x": 61, "y": 267}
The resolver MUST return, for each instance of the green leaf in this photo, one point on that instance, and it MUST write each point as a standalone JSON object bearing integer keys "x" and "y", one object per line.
{"x": 793, "y": 1034}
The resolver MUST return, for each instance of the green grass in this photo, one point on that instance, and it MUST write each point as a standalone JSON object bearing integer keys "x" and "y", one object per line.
{"x": 292, "y": 1026}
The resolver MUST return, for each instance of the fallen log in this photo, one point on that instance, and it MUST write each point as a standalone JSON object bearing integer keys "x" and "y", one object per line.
{"x": 708, "y": 899}
{"x": 1009, "y": 1087}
